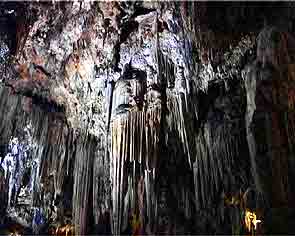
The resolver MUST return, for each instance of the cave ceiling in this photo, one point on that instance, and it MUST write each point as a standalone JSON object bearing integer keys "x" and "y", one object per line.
{"x": 147, "y": 117}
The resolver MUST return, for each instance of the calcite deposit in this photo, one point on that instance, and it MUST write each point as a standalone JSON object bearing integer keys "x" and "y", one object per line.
{"x": 147, "y": 117}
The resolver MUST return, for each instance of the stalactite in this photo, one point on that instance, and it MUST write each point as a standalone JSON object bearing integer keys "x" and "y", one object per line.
{"x": 182, "y": 137}
{"x": 216, "y": 160}
{"x": 180, "y": 122}
{"x": 53, "y": 148}
{"x": 100, "y": 182}
{"x": 135, "y": 137}
{"x": 83, "y": 174}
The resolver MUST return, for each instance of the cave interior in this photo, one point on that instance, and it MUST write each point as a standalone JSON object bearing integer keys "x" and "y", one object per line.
{"x": 147, "y": 118}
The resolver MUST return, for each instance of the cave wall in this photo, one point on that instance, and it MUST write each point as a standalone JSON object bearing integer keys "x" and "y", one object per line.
{"x": 148, "y": 117}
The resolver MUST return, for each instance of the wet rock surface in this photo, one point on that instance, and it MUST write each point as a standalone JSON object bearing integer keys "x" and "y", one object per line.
{"x": 146, "y": 117}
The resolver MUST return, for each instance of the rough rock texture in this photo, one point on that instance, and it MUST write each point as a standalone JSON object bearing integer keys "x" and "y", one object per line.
{"x": 147, "y": 117}
{"x": 270, "y": 118}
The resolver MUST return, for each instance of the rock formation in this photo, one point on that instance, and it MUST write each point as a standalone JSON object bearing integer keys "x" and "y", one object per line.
{"x": 147, "y": 117}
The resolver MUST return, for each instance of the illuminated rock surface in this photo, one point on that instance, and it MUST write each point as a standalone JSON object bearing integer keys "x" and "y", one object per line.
{"x": 147, "y": 118}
